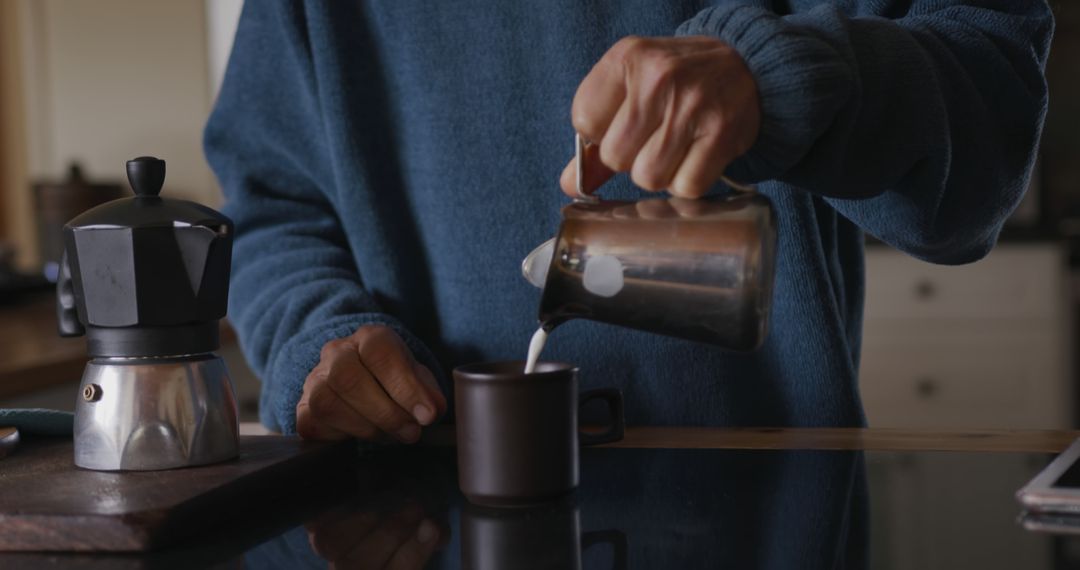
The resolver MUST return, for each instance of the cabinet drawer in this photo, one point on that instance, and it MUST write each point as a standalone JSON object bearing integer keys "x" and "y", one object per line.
{"x": 980, "y": 380}
{"x": 1017, "y": 281}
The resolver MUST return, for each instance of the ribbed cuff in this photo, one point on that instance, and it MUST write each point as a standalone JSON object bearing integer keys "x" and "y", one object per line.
{"x": 298, "y": 356}
{"x": 801, "y": 79}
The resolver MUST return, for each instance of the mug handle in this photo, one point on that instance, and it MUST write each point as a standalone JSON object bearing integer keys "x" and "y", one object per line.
{"x": 615, "y": 538}
{"x": 614, "y": 399}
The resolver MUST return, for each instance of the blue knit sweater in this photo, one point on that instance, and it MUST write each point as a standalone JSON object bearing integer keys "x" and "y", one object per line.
{"x": 393, "y": 162}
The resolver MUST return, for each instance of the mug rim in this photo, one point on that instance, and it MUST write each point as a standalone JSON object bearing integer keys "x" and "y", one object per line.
{"x": 476, "y": 371}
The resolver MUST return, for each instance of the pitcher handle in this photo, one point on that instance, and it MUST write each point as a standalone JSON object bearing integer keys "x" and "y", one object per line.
{"x": 580, "y": 144}
{"x": 613, "y": 398}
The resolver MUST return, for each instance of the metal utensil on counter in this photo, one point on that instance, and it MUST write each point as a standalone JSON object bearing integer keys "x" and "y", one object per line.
{"x": 696, "y": 269}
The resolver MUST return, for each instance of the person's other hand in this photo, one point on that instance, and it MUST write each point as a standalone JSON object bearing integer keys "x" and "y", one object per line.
{"x": 368, "y": 386}
{"x": 674, "y": 112}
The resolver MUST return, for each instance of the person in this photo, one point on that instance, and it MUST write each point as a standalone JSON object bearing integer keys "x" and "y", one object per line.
{"x": 389, "y": 164}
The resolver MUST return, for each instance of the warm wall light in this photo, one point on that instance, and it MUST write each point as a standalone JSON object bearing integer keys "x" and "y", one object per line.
{"x": 15, "y": 219}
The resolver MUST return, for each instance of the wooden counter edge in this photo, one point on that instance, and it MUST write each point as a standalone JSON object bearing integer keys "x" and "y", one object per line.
{"x": 869, "y": 439}
{"x": 839, "y": 439}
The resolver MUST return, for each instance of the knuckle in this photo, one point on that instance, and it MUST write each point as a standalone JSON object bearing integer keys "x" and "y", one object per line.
{"x": 344, "y": 383}
{"x": 402, "y": 386}
{"x": 366, "y": 332}
{"x": 628, "y": 47}
{"x": 688, "y": 187}
{"x": 649, "y": 176}
{"x": 376, "y": 339}
{"x": 695, "y": 98}
{"x": 710, "y": 126}
{"x": 322, "y": 402}
{"x": 379, "y": 357}
{"x": 658, "y": 74}
{"x": 386, "y": 356}
{"x": 613, "y": 156}
{"x": 317, "y": 376}
{"x": 712, "y": 135}
{"x": 585, "y": 122}
{"x": 330, "y": 348}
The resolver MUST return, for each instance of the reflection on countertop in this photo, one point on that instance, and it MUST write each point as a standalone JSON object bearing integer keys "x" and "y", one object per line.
{"x": 668, "y": 506}
{"x": 635, "y": 508}
{"x": 664, "y": 508}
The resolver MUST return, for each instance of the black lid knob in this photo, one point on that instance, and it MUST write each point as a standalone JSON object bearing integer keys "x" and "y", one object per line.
{"x": 146, "y": 175}
{"x": 75, "y": 174}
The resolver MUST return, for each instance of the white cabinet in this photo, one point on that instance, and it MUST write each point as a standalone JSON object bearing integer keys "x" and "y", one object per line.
{"x": 985, "y": 345}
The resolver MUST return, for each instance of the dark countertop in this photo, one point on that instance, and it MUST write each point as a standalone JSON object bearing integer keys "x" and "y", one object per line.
{"x": 671, "y": 498}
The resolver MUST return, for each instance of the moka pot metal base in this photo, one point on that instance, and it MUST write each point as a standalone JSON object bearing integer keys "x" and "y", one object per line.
{"x": 146, "y": 414}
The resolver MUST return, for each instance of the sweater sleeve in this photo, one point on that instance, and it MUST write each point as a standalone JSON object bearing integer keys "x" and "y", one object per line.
{"x": 295, "y": 285}
{"x": 921, "y": 127}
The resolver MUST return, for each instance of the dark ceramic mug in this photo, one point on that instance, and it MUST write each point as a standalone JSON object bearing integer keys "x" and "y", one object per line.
{"x": 518, "y": 433}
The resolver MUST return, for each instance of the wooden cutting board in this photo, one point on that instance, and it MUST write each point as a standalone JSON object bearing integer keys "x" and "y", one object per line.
{"x": 48, "y": 504}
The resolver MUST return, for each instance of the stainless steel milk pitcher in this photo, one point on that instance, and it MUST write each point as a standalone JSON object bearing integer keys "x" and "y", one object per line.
{"x": 701, "y": 269}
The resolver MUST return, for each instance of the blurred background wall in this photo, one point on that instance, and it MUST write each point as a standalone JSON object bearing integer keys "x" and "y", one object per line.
{"x": 105, "y": 80}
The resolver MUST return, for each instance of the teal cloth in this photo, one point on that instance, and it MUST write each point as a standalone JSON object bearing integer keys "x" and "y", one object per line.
{"x": 38, "y": 421}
